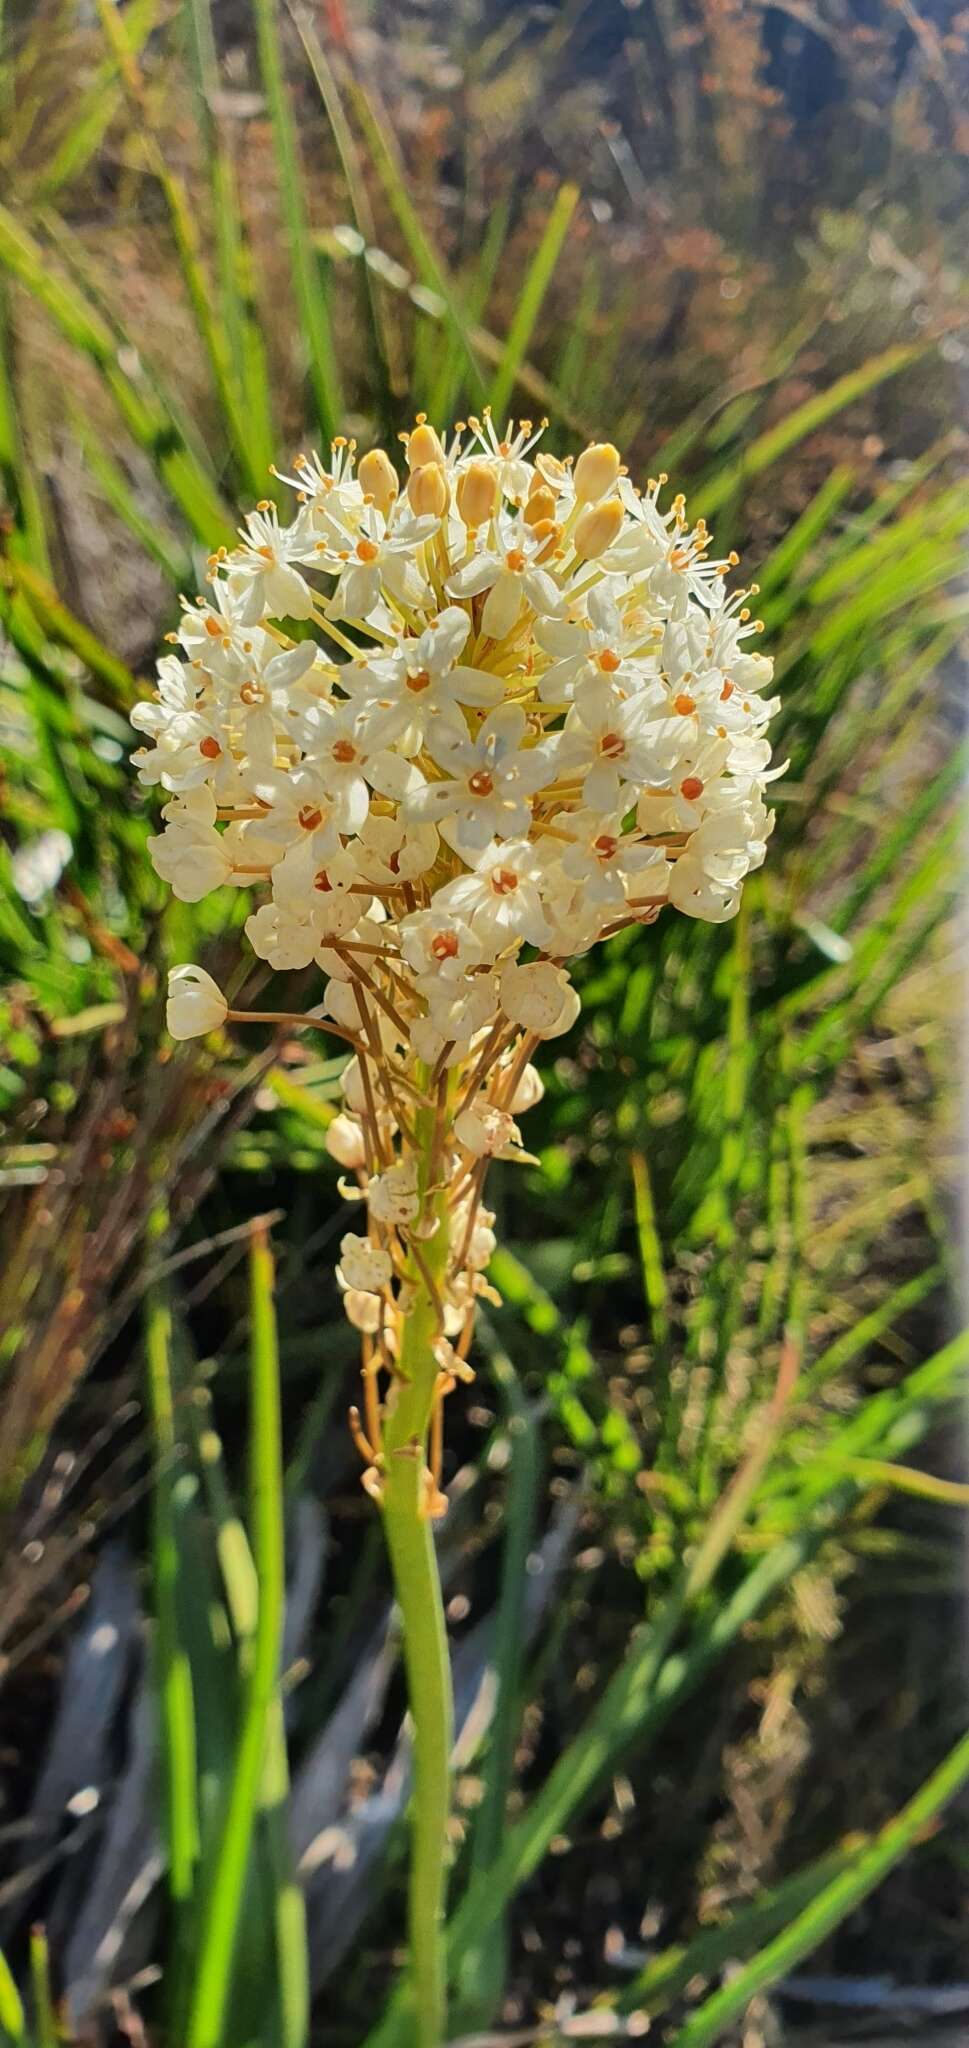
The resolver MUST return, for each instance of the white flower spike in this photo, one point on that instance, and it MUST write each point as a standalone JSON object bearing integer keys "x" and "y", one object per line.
{"x": 545, "y": 722}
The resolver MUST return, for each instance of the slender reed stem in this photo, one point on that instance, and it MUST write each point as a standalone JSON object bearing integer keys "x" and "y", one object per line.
{"x": 417, "y": 1584}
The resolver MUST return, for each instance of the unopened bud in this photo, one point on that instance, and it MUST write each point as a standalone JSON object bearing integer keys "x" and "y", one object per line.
{"x": 377, "y": 478}
{"x": 596, "y": 472}
{"x": 596, "y": 528}
{"x": 541, "y": 505}
{"x": 427, "y": 490}
{"x": 477, "y": 493}
{"x": 423, "y": 446}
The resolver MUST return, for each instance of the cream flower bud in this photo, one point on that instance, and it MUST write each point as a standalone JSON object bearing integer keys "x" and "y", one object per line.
{"x": 196, "y": 1003}
{"x": 596, "y": 472}
{"x": 477, "y": 493}
{"x": 597, "y": 528}
{"x": 539, "y": 998}
{"x": 540, "y": 506}
{"x": 424, "y": 446}
{"x": 363, "y": 1310}
{"x": 378, "y": 479}
{"x": 529, "y": 1090}
{"x": 427, "y": 490}
{"x": 345, "y": 1143}
{"x": 363, "y": 1265}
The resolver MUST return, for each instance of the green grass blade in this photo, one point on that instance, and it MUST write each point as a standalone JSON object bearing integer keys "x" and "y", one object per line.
{"x": 17, "y": 481}
{"x": 388, "y": 364}
{"x": 530, "y": 299}
{"x": 61, "y": 626}
{"x": 390, "y": 171}
{"x": 46, "y": 2030}
{"x": 173, "y": 1676}
{"x": 667, "y": 1976}
{"x": 97, "y": 108}
{"x": 12, "y": 2019}
{"x": 222, "y": 1905}
{"x": 239, "y": 311}
{"x": 146, "y": 419}
{"x": 839, "y": 1898}
{"x": 174, "y": 564}
{"x": 185, "y": 236}
{"x": 805, "y": 419}
{"x": 307, "y": 280}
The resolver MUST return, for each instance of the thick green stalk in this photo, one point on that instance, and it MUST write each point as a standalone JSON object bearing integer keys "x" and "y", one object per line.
{"x": 410, "y": 1542}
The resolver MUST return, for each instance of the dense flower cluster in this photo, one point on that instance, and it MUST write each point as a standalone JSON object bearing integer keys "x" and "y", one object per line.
{"x": 450, "y": 732}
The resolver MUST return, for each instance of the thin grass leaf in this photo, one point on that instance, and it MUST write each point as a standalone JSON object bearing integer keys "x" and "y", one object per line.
{"x": 239, "y": 311}
{"x": 61, "y": 626}
{"x": 12, "y": 2019}
{"x": 222, "y": 1904}
{"x": 28, "y": 540}
{"x": 390, "y": 170}
{"x": 531, "y": 297}
{"x": 391, "y": 375}
{"x": 307, "y": 279}
{"x": 185, "y": 236}
{"x": 667, "y": 1976}
{"x": 805, "y": 419}
{"x": 173, "y": 1676}
{"x": 46, "y": 2029}
{"x": 839, "y": 1898}
{"x": 446, "y": 384}
{"x": 97, "y": 107}
{"x": 146, "y": 419}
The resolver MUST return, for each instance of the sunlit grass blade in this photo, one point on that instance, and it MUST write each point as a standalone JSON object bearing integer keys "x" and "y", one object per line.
{"x": 239, "y": 311}
{"x": 150, "y": 425}
{"x": 530, "y": 299}
{"x": 221, "y": 1907}
{"x": 12, "y": 2020}
{"x": 667, "y": 1976}
{"x": 185, "y": 236}
{"x": 826, "y": 1912}
{"x": 387, "y": 360}
{"x": 307, "y": 278}
{"x": 390, "y": 171}
{"x": 61, "y": 626}
{"x": 46, "y": 2030}
{"x": 805, "y": 419}
{"x": 447, "y": 380}
{"x": 96, "y": 108}
{"x": 28, "y": 539}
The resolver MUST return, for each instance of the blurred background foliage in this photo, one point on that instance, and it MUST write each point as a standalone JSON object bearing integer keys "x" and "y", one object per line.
{"x": 720, "y": 1397}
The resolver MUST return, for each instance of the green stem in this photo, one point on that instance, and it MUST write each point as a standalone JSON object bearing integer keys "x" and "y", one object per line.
{"x": 417, "y": 1584}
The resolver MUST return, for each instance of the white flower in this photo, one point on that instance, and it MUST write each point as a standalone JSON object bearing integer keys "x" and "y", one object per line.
{"x": 485, "y": 1130}
{"x": 363, "y": 1266}
{"x": 382, "y": 558}
{"x": 512, "y": 578}
{"x": 500, "y": 899}
{"x": 195, "y": 1003}
{"x": 601, "y": 644}
{"x": 392, "y": 1196}
{"x": 608, "y": 863}
{"x": 276, "y": 588}
{"x": 487, "y": 783}
{"x": 609, "y": 741}
{"x": 190, "y": 854}
{"x": 438, "y": 945}
{"x": 390, "y": 852}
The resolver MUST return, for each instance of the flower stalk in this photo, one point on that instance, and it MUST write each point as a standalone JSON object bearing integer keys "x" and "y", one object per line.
{"x": 537, "y": 724}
